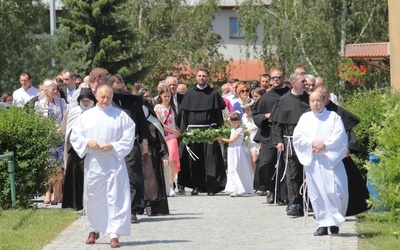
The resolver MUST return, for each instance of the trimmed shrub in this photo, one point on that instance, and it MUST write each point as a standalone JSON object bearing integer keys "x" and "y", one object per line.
{"x": 29, "y": 137}
{"x": 369, "y": 106}
{"x": 379, "y": 131}
{"x": 386, "y": 175}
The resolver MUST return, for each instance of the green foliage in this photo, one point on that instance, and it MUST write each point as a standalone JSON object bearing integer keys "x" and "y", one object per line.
{"x": 19, "y": 50}
{"x": 107, "y": 37}
{"x": 208, "y": 135}
{"x": 386, "y": 175}
{"x": 29, "y": 137}
{"x": 310, "y": 33}
{"x": 369, "y": 105}
{"x": 174, "y": 36}
{"x": 379, "y": 131}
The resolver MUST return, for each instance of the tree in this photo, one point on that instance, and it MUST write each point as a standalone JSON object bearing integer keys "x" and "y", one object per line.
{"x": 104, "y": 37}
{"x": 145, "y": 39}
{"x": 176, "y": 35}
{"x": 19, "y": 50}
{"x": 310, "y": 32}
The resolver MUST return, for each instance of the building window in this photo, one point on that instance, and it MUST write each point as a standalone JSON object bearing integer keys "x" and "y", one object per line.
{"x": 235, "y": 30}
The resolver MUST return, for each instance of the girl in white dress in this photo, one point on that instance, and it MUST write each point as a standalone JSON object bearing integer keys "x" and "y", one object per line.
{"x": 165, "y": 111}
{"x": 239, "y": 169}
{"x": 247, "y": 120}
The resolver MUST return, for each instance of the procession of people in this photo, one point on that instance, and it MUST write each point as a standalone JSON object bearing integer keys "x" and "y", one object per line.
{"x": 122, "y": 155}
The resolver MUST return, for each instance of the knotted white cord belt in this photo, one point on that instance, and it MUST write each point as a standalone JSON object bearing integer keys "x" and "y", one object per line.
{"x": 306, "y": 199}
{"x": 288, "y": 149}
{"x": 191, "y": 153}
{"x": 277, "y": 174}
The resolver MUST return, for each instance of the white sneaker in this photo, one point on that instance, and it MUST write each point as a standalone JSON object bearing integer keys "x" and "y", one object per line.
{"x": 171, "y": 192}
{"x": 235, "y": 195}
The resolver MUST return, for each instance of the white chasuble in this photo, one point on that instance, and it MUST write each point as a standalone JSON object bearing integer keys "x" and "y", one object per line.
{"x": 325, "y": 173}
{"x": 106, "y": 195}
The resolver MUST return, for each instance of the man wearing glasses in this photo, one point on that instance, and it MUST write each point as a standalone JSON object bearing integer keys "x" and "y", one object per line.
{"x": 310, "y": 85}
{"x": 268, "y": 155}
{"x": 284, "y": 117}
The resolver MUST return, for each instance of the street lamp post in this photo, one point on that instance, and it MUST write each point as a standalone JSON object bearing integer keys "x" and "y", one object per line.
{"x": 52, "y": 17}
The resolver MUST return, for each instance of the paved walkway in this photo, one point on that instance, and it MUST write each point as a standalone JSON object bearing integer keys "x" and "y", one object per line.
{"x": 218, "y": 222}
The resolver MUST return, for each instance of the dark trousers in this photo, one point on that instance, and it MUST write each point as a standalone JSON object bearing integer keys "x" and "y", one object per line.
{"x": 134, "y": 165}
{"x": 265, "y": 169}
{"x": 294, "y": 179}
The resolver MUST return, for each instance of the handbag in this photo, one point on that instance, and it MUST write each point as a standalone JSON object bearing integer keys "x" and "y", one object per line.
{"x": 165, "y": 121}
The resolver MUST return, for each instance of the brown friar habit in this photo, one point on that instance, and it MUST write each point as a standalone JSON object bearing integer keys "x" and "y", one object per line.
{"x": 155, "y": 193}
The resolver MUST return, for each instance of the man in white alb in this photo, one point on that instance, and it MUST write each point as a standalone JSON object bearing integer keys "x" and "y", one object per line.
{"x": 320, "y": 142}
{"x": 105, "y": 135}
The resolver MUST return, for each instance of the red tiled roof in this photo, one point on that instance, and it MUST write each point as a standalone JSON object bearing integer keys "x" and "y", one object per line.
{"x": 374, "y": 51}
{"x": 245, "y": 70}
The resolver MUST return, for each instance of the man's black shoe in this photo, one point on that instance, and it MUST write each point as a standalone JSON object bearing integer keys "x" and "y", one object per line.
{"x": 270, "y": 197}
{"x": 195, "y": 191}
{"x": 181, "y": 189}
{"x": 210, "y": 193}
{"x": 334, "y": 229}
{"x": 295, "y": 210}
{"x": 321, "y": 231}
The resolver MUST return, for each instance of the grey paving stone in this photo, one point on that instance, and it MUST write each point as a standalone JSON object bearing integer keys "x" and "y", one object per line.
{"x": 217, "y": 222}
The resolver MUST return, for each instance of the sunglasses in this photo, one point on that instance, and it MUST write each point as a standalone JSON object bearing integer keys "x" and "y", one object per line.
{"x": 276, "y": 78}
{"x": 304, "y": 81}
{"x": 310, "y": 85}
{"x": 245, "y": 91}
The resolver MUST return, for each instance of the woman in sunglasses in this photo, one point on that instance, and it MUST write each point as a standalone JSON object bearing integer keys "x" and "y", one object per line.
{"x": 243, "y": 92}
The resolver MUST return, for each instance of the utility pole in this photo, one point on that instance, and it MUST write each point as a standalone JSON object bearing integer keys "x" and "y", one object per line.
{"x": 394, "y": 38}
{"x": 52, "y": 17}
{"x": 52, "y": 25}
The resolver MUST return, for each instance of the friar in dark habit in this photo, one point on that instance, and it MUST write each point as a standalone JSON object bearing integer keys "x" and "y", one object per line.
{"x": 202, "y": 168}
{"x": 132, "y": 105}
{"x": 285, "y": 116}
{"x": 265, "y": 177}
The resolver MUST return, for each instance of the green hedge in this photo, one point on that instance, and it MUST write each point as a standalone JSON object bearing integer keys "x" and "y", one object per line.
{"x": 29, "y": 137}
{"x": 386, "y": 175}
{"x": 379, "y": 131}
{"x": 369, "y": 106}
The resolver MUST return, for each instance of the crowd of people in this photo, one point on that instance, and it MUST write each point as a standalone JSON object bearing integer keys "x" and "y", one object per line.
{"x": 121, "y": 154}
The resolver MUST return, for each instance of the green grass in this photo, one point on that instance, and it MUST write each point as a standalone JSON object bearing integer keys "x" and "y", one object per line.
{"x": 32, "y": 229}
{"x": 378, "y": 231}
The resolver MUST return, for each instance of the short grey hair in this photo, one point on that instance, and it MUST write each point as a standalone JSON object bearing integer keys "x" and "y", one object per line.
{"x": 171, "y": 78}
{"x": 311, "y": 78}
{"x": 294, "y": 77}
